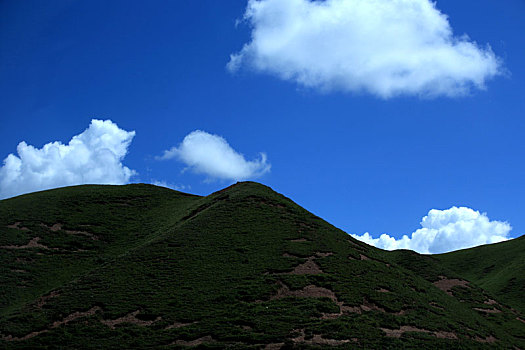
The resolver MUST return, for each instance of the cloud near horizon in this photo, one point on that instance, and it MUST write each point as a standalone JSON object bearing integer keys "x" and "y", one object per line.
{"x": 383, "y": 47}
{"x": 92, "y": 157}
{"x": 211, "y": 155}
{"x": 176, "y": 187}
{"x": 444, "y": 231}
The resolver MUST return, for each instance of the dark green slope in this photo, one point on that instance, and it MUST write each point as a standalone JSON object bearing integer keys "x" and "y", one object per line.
{"x": 242, "y": 268}
{"x": 97, "y": 223}
{"x": 498, "y": 268}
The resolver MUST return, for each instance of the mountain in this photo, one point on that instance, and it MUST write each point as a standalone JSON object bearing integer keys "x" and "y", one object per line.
{"x": 140, "y": 266}
{"x": 498, "y": 268}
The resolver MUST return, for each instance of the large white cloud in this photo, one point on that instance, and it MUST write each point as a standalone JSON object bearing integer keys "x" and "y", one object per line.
{"x": 211, "y": 155}
{"x": 446, "y": 230}
{"x": 92, "y": 157}
{"x": 384, "y": 47}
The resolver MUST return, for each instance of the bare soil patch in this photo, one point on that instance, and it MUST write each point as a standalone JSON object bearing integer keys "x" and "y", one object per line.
{"x": 179, "y": 325}
{"x": 43, "y": 299}
{"x": 56, "y": 324}
{"x": 487, "y": 311}
{"x": 299, "y": 240}
{"x": 310, "y": 267}
{"x": 58, "y": 227}
{"x": 310, "y": 291}
{"x": 274, "y": 204}
{"x": 33, "y": 243}
{"x": 304, "y": 225}
{"x": 129, "y": 318}
{"x": 199, "y": 341}
{"x": 313, "y": 291}
{"x": 76, "y": 315}
{"x": 323, "y": 255}
{"x": 397, "y": 333}
{"x": 273, "y": 346}
{"x": 54, "y": 228}
{"x": 343, "y": 310}
{"x": 27, "y": 336}
{"x": 363, "y": 257}
{"x": 354, "y": 244}
{"x": 16, "y": 226}
{"x": 368, "y": 306}
{"x": 490, "y": 339}
{"x": 436, "y": 305}
{"x": 446, "y": 284}
{"x": 318, "y": 339}
{"x": 445, "y": 335}
{"x": 383, "y": 290}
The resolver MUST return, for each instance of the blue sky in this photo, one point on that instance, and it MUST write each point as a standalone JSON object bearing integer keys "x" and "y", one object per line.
{"x": 363, "y": 159}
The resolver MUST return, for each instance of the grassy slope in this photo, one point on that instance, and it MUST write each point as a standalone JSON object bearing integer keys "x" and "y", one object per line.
{"x": 214, "y": 264}
{"x": 498, "y": 268}
{"x": 120, "y": 217}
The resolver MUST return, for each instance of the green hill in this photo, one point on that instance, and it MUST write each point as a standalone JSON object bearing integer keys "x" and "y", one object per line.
{"x": 498, "y": 268}
{"x": 140, "y": 266}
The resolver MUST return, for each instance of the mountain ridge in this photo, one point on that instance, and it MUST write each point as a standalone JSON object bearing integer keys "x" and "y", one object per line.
{"x": 244, "y": 267}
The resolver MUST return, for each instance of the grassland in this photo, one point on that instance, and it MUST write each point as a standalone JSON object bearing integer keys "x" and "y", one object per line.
{"x": 497, "y": 268}
{"x": 140, "y": 266}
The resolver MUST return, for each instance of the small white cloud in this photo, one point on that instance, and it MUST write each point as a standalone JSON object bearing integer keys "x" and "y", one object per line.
{"x": 445, "y": 230}
{"x": 92, "y": 157}
{"x": 211, "y": 155}
{"x": 180, "y": 188}
{"x": 383, "y": 47}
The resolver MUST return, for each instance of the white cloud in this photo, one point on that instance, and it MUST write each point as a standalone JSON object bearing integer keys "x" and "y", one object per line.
{"x": 211, "y": 155}
{"x": 166, "y": 184}
{"x": 92, "y": 157}
{"x": 383, "y": 47}
{"x": 446, "y": 230}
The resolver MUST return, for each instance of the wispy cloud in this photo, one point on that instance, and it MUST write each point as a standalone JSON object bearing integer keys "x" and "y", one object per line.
{"x": 446, "y": 230}
{"x": 383, "y": 47}
{"x": 166, "y": 184}
{"x": 211, "y": 155}
{"x": 92, "y": 157}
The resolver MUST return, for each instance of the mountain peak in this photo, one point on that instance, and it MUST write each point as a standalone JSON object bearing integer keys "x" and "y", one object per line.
{"x": 244, "y": 267}
{"x": 245, "y": 186}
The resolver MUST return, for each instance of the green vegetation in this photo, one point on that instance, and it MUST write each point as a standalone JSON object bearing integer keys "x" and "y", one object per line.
{"x": 140, "y": 266}
{"x": 498, "y": 268}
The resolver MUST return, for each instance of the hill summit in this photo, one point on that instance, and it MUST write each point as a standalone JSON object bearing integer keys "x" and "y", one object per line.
{"x": 140, "y": 266}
